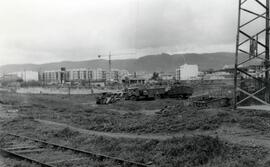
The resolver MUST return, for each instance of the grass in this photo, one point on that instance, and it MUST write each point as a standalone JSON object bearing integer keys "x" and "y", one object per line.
{"x": 255, "y": 120}
{"x": 77, "y": 111}
{"x": 184, "y": 151}
{"x": 144, "y": 105}
{"x": 18, "y": 163}
{"x": 183, "y": 119}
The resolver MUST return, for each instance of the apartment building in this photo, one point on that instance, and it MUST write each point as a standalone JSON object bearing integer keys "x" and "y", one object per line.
{"x": 82, "y": 74}
{"x": 187, "y": 72}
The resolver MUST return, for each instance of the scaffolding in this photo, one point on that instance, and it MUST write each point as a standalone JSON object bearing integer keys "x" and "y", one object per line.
{"x": 252, "y": 47}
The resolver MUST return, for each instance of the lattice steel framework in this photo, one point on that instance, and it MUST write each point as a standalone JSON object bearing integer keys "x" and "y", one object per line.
{"x": 252, "y": 46}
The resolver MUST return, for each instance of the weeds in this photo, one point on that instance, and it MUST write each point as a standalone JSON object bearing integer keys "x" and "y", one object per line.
{"x": 183, "y": 151}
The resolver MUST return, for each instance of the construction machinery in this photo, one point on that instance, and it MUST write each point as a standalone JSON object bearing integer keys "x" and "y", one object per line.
{"x": 211, "y": 102}
{"x": 143, "y": 93}
{"x": 179, "y": 91}
{"x": 176, "y": 91}
{"x": 108, "y": 98}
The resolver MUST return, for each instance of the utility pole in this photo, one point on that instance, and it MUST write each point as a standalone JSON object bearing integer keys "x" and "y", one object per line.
{"x": 253, "y": 46}
{"x": 110, "y": 67}
{"x": 110, "y": 64}
{"x": 110, "y": 61}
{"x": 24, "y": 75}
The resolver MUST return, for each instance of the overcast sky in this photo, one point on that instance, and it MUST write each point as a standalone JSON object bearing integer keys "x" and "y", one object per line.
{"x": 39, "y": 31}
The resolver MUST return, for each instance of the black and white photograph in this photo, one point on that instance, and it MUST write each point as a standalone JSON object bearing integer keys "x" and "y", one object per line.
{"x": 134, "y": 83}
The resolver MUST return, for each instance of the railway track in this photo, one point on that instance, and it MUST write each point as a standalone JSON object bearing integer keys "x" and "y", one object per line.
{"x": 46, "y": 154}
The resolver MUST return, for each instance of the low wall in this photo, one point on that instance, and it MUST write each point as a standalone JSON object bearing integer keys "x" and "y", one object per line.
{"x": 40, "y": 90}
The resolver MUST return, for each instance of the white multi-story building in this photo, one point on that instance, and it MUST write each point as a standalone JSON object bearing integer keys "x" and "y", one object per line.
{"x": 58, "y": 76}
{"x": 99, "y": 74}
{"x": 79, "y": 74}
{"x": 82, "y": 74}
{"x": 27, "y": 75}
{"x": 187, "y": 72}
{"x": 52, "y": 76}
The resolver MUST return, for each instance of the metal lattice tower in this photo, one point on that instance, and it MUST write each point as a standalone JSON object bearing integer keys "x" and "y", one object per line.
{"x": 252, "y": 50}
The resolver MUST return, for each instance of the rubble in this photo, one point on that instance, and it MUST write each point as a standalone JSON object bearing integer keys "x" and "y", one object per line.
{"x": 211, "y": 102}
{"x": 108, "y": 98}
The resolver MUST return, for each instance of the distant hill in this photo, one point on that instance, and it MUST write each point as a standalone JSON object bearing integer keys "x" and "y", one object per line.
{"x": 151, "y": 63}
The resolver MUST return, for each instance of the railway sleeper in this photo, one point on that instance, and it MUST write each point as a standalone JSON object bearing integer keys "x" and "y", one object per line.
{"x": 29, "y": 151}
{"x": 68, "y": 160}
{"x": 97, "y": 156}
{"x": 22, "y": 157}
{"x": 21, "y": 148}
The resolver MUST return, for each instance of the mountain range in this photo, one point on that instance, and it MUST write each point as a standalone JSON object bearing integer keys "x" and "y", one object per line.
{"x": 150, "y": 63}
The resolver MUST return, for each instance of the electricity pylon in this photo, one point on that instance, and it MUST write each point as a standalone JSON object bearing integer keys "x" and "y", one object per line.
{"x": 252, "y": 46}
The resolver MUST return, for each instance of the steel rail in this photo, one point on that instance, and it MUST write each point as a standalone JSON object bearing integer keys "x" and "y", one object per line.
{"x": 25, "y": 158}
{"x": 92, "y": 154}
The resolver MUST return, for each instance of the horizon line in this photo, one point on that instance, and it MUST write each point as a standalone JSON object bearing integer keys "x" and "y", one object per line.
{"x": 62, "y": 61}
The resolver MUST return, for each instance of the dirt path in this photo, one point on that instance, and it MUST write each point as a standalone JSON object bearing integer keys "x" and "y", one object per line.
{"x": 231, "y": 134}
{"x": 109, "y": 134}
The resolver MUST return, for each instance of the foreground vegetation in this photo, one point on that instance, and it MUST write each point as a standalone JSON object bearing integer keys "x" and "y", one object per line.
{"x": 185, "y": 151}
{"x": 133, "y": 117}
{"x": 138, "y": 117}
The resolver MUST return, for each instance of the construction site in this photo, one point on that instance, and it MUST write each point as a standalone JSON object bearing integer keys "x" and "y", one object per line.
{"x": 195, "y": 123}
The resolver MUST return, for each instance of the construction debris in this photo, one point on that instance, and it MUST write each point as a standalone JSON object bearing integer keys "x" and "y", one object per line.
{"x": 170, "y": 110}
{"x": 108, "y": 98}
{"x": 212, "y": 102}
{"x": 145, "y": 93}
